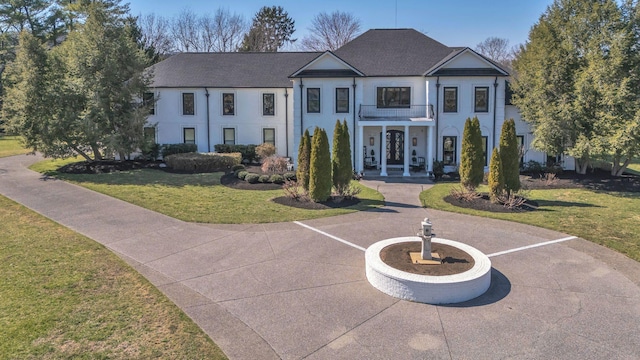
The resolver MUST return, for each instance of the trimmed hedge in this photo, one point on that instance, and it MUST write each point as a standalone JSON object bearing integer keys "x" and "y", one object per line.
{"x": 248, "y": 151}
{"x": 242, "y": 174}
{"x": 264, "y": 178}
{"x": 172, "y": 149}
{"x": 207, "y": 162}
{"x": 276, "y": 179}
{"x": 252, "y": 178}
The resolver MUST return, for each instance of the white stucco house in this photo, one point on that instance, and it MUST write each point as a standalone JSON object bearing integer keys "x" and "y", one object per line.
{"x": 404, "y": 95}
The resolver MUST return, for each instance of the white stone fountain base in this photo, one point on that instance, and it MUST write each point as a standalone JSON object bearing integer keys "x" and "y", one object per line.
{"x": 446, "y": 289}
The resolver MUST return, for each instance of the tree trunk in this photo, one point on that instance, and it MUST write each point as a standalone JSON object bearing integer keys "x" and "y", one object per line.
{"x": 617, "y": 169}
{"x": 97, "y": 156}
{"x": 81, "y": 153}
{"x": 581, "y": 166}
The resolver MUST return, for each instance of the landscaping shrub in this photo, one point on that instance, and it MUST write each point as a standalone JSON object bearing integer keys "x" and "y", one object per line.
{"x": 252, "y": 178}
{"x": 293, "y": 191}
{"x": 304, "y": 159}
{"x": 248, "y": 151}
{"x": 290, "y": 176}
{"x": 276, "y": 179}
{"x": 274, "y": 164}
{"x": 207, "y": 162}
{"x": 242, "y": 174}
{"x": 510, "y": 157}
{"x": 438, "y": 169}
{"x": 172, "y": 149}
{"x": 320, "y": 167}
{"x": 264, "y": 179}
{"x": 471, "y": 158}
{"x": 532, "y": 167}
{"x": 496, "y": 179}
{"x": 342, "y": 171}
{"x": 235, "y": 168}
{"x": 265, "y": 150}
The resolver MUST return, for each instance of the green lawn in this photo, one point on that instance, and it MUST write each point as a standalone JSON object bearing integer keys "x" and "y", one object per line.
{"x": 610, "y": 219}
{"x": 10, "y": 145}
{"x": 200, "y": 197}
{"x": 65, "y": 296}
{"x": 634, "y": 168}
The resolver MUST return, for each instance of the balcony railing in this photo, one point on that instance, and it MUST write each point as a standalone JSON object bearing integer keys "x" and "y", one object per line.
{"x": 412, "y": 111}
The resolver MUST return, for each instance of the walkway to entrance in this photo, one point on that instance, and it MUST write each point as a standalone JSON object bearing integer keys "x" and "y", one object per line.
{"x": 293, "y": 290}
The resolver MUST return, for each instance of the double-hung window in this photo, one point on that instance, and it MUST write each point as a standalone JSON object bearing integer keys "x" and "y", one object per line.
{"x": 229, "y": 136}
{"x": 189, "y": 135}
{"x": 228, "y": 104}
{"x": 269, "y": 136}
{"x": 313, "y": 100}
{"x": 268, "y": 104}
{"x": 481, "y": 99}
{"x": 449, "y": 150}
{"x": 450, "y": 99}
{"x": 149, "y": 101}
{"x": 188, "y": 104}
{"x": 342, "y": 100}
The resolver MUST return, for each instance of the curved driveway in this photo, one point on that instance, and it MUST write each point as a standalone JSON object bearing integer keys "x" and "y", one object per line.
{"x": 298, "y": 290}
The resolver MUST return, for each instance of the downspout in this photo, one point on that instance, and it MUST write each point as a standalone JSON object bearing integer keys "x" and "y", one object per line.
{"x": 495, "y": 102}
{"x": 206, "y": 92}
{"x": 286, "y": 120}
{"x": 353, "y": 147}
{"x": 301, "y": 111}
{"x": 437, "y": 114}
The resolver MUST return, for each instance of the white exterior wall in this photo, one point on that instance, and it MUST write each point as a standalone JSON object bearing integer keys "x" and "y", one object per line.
{"x": 247, "y": 121}
{"x": 452, "y": 123}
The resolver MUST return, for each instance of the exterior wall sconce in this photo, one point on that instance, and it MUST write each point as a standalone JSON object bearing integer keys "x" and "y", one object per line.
{"x": 371, "y": 141}
{"x": 415, "y": 141}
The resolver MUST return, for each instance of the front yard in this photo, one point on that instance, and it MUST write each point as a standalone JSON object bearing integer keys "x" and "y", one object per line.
{"x": 608, "y": 218}
{"x": 10, "y": 145}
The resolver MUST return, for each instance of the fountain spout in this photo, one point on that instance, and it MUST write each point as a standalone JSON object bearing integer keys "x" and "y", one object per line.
{"x": 426, "y": 235}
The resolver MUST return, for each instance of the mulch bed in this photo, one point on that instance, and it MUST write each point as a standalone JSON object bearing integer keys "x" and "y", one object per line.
{"x": 484, "y": 203}
{"x": 454, "y": 260}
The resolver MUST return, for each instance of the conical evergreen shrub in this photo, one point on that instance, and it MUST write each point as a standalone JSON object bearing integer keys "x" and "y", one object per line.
{"x": 304, "y": 159}
{"x": 471, "y": 158}
{"x": 496, "y": 179}
{"x": 320, "y": 167}
{"x": 341, "y": 157}
{"x": 510, "y": 157}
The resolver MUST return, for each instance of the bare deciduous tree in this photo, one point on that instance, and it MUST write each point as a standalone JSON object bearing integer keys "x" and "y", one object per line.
{"x": 155, "y": 33}
{"x": 221, "y": 32}
{"x": 496, "y": 49}
{"x": 331, "y": 31}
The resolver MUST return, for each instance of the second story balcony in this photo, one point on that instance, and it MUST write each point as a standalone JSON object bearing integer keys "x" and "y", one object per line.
{"x": 373, "y": 112}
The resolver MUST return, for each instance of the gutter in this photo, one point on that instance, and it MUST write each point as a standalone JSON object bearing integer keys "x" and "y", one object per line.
{"x": 495, "y": 103}
{"x": 353, "y": 147}
{"x": 301, "y": 110}
{"x": 206, "y": 92}
{"x": 437, "y": 114}
{"x": 286, "y": 120}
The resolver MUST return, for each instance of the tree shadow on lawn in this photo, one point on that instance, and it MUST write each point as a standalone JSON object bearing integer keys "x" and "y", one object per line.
{"x": 140, "y": 177}
{"x": 557, "y": 203}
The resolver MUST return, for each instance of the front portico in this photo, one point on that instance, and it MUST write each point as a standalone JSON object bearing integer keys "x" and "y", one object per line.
{"x": 395, "y": 143}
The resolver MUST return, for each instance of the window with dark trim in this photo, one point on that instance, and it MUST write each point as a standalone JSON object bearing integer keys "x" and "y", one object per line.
{"x": 228, "y": 104}
{"x": 268, "y": 104}
{"x": 393, "y": 97}
{"x": 149, "y": 134}
{"x": 229, "y": 136}
{"x": 313, "y": 100}
{"x": 450, "y": 102}
{"x": 449, "y": 145}
{"x": 147, "y": 100}
{"x": 188, "y": 104}
{"x": 189, "y": 135}
{"x": 520, "y": 141}
{"x": 485, "y": 145}
{"x": 342, "y": 100}
{"x": 481, "y": 99}
{"x": 269, "y": 136}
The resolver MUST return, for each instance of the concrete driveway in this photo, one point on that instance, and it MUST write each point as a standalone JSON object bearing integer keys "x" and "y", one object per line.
{"x": 299, "y": 291}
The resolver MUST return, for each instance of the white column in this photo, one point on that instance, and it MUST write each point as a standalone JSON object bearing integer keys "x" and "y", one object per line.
{"x": 406, "y": 151}
{"x": 383, "y": 152}
{"x": 431, "y": 146}
{"x": 359, "y": 149}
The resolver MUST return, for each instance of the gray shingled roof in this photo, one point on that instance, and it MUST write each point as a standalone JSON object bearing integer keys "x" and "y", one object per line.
{"x": 237, "y": 69}
{"x": 393, "y": 52}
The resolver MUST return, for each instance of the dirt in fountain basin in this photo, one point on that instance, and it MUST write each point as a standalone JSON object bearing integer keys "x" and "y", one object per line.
{"x": 454, "y": 260}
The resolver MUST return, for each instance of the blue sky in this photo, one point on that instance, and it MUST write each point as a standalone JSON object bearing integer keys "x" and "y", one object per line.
{"x": 451, "y": 22}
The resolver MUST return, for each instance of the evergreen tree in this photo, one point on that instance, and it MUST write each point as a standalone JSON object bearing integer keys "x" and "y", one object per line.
{"x": 304, "y": 158}
{"x": 471, "y": 165}
{"x": 510, "y": 157}
{"x": 496, "y": 179}
{"x": 341, "y": 159}
{"x": 320, "y": 167}
{"x": 271, "y": 29}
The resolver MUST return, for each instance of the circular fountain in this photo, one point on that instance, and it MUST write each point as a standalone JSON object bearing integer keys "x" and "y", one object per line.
{"x": 441, "y": 289}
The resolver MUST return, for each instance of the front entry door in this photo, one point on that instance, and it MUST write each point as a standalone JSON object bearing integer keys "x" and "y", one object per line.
{"x": 395, "y": 147}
